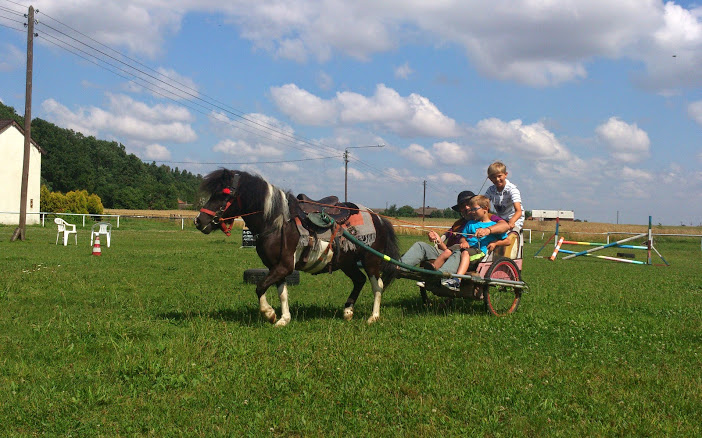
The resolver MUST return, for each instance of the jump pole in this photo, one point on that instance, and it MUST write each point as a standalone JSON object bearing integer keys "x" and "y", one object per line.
{"x": 609, "y": 245}
{"x": 549, "y": 239}
{"x": 556, "y": 249}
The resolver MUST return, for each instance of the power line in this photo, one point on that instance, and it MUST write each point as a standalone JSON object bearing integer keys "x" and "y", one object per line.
{"x": 216, "y": 104}
{"x": 250, "y": 162}
{"x": 132, "y": 78}
{"x": 13, "y": 28}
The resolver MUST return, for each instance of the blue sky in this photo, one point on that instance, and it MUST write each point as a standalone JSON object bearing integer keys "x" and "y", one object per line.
{"x": 594, "y": 106}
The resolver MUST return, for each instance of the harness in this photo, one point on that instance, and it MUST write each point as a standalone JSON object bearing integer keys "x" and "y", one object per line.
{"x": 231, "y": 195}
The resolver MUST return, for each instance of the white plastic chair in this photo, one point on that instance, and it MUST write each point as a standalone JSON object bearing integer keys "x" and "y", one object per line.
{"x": 104, "y": 228}
{"x": 65, "y": 228}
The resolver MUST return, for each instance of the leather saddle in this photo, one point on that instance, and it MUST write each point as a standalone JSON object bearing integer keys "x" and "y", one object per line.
{"x": 339, "y": 211}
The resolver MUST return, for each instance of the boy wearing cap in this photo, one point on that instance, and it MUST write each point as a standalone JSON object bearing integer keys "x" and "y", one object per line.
{"x": 422, "y": 251}
{"x": 480, "y": 237}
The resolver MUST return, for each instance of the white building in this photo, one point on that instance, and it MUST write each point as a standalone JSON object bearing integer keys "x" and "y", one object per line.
{"x": 12, "y": 153}
{"x": 551, "y": 215}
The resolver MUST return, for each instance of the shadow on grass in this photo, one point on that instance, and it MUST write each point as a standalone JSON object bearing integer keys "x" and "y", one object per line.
{"x": 437, "y": 306}
{"x": 250, "y": 315}
{"x": 409, "y": 307}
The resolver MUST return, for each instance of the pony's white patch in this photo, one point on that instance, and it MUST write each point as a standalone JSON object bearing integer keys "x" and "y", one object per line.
{"x": 317, "y": 259}
{"x": 285, "y": 309}
{"x": 266, "y": 310}
{"x": 377, "y": 285}
{"x": 276, "y": 200}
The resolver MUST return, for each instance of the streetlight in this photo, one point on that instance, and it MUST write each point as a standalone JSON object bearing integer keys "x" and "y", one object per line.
{"x": 346, "y": 166}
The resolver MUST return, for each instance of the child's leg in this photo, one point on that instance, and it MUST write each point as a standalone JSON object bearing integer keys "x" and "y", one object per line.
{"x": 465, "y": 262}
{"x": 469, "y": 256}
{"x": 439, "y": 262}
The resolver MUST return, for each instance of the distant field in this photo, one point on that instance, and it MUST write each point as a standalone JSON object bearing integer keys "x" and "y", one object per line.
{"x": 410, "y": 225}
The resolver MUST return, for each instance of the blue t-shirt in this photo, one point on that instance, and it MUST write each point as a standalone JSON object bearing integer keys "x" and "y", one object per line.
{"x": 473, "y": 226}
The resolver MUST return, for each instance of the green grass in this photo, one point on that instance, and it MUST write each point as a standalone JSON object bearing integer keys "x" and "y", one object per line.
{"x": 159, "y": 336}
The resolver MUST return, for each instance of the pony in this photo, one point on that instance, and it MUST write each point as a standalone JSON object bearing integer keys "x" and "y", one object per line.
{"x": 270, "y": 213}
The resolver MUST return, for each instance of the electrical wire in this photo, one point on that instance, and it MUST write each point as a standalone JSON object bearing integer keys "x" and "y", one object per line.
{"x": 166, "y": 89}
{"x": 217, "y": 104}
{"x": 244, "y": 127}
{"x": 250, "y": 162}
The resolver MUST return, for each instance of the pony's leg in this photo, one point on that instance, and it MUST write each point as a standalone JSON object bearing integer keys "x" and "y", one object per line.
{"x": 359, "y": 280}
{"x": 266, "y": 309}
{"x": 377, "y": 285}
{"x": 284, "y": 307}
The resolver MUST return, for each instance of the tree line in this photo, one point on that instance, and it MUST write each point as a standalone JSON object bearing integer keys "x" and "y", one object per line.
{"x": 75, "y": 162}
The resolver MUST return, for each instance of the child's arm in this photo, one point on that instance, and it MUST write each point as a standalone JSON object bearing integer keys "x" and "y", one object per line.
{"x": 492, "y": 245}
{"x": 517, "y": 214}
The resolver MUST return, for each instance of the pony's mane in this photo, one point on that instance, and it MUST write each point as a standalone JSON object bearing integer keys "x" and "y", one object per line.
{"x": 257, "y": 194}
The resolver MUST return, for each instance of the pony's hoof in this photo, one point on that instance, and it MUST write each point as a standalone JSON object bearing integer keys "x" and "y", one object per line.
{"x": 282, "y": 322}
{"x": 373, "y": 319}
{"x": 348, "y": 314}
{"x": 270, "y": 316}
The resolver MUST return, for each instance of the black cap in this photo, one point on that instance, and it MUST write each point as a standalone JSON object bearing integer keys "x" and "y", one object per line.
{"x": 464, "y": 196}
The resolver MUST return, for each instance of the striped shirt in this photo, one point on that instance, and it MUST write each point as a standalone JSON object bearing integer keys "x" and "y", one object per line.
{"x": 503, "y": 202}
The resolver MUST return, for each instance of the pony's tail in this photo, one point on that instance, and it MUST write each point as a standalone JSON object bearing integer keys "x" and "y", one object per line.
{"x": 392, "y": 249}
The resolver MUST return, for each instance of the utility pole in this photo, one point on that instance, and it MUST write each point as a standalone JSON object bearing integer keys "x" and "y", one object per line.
{"x": 424, "y": 201}
{"x": 20, "y": 231}
{"x": 346, "y": 166}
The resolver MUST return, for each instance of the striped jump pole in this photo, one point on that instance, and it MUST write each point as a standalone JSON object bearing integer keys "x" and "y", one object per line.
{"x": 556, "y": 249}
{"x": 609, "y": 245}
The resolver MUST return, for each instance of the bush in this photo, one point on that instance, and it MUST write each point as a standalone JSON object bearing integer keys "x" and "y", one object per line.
{"x": 79, "y": 202}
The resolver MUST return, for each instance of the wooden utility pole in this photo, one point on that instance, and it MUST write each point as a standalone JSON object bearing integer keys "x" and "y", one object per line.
{"x": 424, "y": 201}
{"x": 346, "y": 166}
{"x": 20, "y": 231}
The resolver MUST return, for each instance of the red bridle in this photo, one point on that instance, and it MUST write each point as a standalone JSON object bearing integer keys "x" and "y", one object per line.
{"x": 217, "y": 218}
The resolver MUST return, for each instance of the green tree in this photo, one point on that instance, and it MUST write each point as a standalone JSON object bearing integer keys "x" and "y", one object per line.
{"x": 406, "y": 211}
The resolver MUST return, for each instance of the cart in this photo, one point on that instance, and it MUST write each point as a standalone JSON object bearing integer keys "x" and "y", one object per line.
{"x": 497, "y": 279}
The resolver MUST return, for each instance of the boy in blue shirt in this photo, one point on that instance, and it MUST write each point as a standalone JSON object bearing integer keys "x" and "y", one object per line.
{"x": 479, "y": 240}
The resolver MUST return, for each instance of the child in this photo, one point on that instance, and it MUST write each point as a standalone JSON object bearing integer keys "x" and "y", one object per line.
{"x": 505, "y": 196}
{"x": 474, "y": 248}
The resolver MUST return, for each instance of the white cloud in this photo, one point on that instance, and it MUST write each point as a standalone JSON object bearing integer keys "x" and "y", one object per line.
{"x": 126, "y": 119}
{"x": 532, "y": 142}
{"x": 404, "y": 71}
{"x": 303, "y": 106}
{"x": 413, "y": 115}
{"x": 157, "y": 152}
{"x": 418, "y": 154}
{"x": 626, "y": 142}
{"x": 449, "y": 178}
{"x": 258, "y": 134}
{"x": 246, "y": 151}
{"x": 11, "y": 58}
{"x": 450, "y": 153}
{"x": 538, "y": 43}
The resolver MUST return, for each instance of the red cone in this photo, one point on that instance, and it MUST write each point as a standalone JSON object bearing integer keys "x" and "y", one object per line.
{"x": 96, "y": 246}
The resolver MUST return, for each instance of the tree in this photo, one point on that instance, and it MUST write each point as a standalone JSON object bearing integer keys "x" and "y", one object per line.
{"x": 406, "y": 211}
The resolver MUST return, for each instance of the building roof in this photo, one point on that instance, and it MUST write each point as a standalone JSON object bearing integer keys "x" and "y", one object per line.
{"x": 6, "y": 123}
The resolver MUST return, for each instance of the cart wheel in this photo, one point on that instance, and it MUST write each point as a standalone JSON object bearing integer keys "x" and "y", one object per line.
{"x": 256, "y": 275}
{"x": 502, "y": 300}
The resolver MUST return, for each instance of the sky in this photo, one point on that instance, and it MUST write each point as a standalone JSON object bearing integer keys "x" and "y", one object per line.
{"x": 594, "y": 106}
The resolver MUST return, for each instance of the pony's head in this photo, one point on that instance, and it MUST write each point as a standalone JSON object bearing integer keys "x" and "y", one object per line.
{"x": 224, "y": 201}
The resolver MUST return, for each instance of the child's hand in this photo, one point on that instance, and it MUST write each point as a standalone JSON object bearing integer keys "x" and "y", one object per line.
{"x": 433, "y": 236}
{"x": 491, "y": 246}
{"x": 465, "y": 245}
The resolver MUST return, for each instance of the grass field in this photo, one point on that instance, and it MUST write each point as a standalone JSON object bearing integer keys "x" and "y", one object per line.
{"x": 159, "y": 336}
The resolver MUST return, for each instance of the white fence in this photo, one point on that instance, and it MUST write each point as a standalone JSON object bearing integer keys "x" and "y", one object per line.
{"x": 83, "y": 216}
